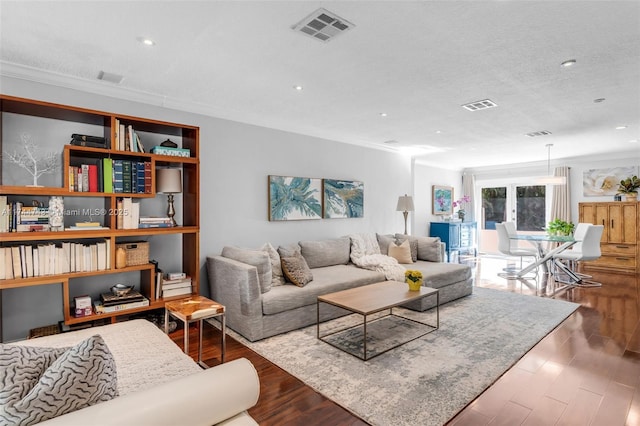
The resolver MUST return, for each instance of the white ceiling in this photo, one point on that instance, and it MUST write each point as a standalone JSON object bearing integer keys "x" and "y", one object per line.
{"x": 417, "y": 61}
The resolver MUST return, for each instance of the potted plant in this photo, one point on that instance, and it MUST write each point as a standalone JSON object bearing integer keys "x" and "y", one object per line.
{"x": 560, "y": 227}
{"x": 414, "y": 279}
{"x": 629, "y": 187}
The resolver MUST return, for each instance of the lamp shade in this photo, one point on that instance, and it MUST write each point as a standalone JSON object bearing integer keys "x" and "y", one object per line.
{"x": 405, "y": 203}
{"x": 168, "y": 181}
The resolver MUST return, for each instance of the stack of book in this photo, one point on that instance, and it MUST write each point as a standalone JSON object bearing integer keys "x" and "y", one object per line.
{"x": 155, "y": 222}
{"x": 109, "y": 302}
{"x": 16, "y": 217}
{"x": 173, "y": 285}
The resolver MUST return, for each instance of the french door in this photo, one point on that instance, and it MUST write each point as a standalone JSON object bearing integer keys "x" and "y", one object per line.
{"x": 526, "y": 205}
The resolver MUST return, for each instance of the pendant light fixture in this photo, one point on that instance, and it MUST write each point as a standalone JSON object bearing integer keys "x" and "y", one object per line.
{"x": 549, "y": 179}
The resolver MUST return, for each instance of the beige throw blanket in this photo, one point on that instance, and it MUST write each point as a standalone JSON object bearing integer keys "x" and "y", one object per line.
{"x": 365, "y": 253}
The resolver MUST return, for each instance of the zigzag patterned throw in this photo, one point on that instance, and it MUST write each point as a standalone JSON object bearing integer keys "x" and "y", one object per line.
{"x": 41, "y": 383}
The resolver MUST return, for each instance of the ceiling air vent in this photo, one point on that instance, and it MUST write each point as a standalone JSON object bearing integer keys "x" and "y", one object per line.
{"x": 110, "y": 77}
{"x": 478, "y": 105}
{"x": 540, "y": 133}
{"x": 323, "y": 25}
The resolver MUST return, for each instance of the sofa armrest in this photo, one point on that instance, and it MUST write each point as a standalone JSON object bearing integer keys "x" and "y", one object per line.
{"x": 235, "y": 284}
{"x": 205, "y": 398}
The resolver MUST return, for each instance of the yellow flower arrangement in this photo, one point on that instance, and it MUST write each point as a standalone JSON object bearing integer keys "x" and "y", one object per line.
{"x": 413, "y": 275}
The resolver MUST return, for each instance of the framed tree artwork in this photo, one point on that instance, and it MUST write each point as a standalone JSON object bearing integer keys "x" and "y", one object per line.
{"x": 442, "y": 200}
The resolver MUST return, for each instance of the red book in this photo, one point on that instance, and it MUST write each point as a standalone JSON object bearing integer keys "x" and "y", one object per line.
{"x": 93, "y": 178}
{"x": 147, "y": 177}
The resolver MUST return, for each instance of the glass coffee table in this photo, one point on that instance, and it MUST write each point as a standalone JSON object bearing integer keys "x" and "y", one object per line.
{"x": 372, "y": 299}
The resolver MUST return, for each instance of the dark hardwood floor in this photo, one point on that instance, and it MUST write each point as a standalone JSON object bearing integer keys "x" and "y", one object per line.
{"x": 585, "y": 372}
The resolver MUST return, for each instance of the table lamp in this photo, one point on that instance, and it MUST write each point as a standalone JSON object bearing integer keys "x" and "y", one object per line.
{"x": 405, "y": 205}
{"x": 169, "y": 181}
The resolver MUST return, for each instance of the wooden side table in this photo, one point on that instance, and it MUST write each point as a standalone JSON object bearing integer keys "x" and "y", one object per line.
{"x": 191, "y": 309}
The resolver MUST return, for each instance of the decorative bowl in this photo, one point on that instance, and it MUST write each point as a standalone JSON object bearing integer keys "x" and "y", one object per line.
{"x": 121, "y": 289}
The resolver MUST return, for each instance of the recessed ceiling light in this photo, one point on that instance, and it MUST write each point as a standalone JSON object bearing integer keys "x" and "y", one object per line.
{"x": 298, "y": 87}
{"x": 146, "y": 41}
{"x": 633, "y": 141}
{"x": 597, "y": 101}
{"x": 383, "y": 114}
{"x": 621, "y": 127}
{"x": 438, "y": 132}
{"x": 568, "y": 63}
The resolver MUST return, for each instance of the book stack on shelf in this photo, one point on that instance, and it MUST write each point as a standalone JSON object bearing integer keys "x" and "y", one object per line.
{"x": 155, "y": 222}
{"x": 110, "y": 302}
{"x": 16, "y": 217}
{"x": 173, "y": 284}
{"x": 111, "y": 176}
{"x": 25, "y": 261}
{"x": 128, "y": 214}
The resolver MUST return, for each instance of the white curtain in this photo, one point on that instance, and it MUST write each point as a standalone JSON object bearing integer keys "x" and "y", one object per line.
{"x": 561, "y": 196}
{"x": 468, "y": 186}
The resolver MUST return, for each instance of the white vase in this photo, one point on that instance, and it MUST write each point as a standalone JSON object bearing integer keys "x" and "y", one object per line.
{"x": 56, "y": 213}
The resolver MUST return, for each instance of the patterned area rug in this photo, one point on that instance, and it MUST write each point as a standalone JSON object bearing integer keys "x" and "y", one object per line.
{"x": 428, "y": 380}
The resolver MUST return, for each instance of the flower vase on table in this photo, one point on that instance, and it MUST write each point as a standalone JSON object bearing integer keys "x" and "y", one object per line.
{"x": 414, "y": 279}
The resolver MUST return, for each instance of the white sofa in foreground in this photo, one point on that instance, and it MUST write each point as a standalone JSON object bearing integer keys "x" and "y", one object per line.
{"x": 158, "y": 384}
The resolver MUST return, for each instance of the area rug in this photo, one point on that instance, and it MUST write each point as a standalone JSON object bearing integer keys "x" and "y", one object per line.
{"x": 428, "y": 380}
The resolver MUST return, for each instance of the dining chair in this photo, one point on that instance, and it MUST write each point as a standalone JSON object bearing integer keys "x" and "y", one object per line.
{"x": 587, "y": 248}
{"x": 510, "y": 247}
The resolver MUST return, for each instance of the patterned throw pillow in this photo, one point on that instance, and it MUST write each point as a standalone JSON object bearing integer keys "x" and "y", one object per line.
{"x": 296, "y": 270}
{"x": 83, "y": 375}
{"x": 402, "y": 252}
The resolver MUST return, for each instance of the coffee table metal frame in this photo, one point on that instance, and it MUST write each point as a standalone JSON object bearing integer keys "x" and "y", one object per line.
{"x": 399, "y": 299}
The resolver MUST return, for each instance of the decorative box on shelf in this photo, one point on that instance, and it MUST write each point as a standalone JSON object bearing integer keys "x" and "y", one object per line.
{"x": 83, "y": 306}
{"x": 137, "y": 253}
{"x": 174, "y": 152}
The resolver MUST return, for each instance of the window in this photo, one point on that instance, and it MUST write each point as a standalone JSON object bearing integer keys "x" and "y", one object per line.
{"x": 523, "y": 204}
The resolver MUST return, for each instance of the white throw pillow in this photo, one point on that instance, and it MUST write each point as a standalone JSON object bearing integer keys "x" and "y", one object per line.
{"x": 401, "y": 253}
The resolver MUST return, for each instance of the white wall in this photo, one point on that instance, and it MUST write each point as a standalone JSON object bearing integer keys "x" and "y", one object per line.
{"x": 235, "y": 160}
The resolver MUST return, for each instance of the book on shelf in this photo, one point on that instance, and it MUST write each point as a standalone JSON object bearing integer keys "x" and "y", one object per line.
{"x": 174, "y": 276}
{"x": 110, "y": 299}
{"x": 176, "y": 291}
{"x": 101, "y": 309}
{"x": 173, "y": 152}
{"x": 173, "y": 284}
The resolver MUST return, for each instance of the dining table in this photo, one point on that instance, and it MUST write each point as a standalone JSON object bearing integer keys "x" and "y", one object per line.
{"x": 546, "y": 255}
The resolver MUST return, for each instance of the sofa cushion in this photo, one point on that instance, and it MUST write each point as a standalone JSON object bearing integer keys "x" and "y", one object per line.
{"x": 413, "y": 244}
{"x": 277, "y": 276}
{"x": 83, "y": 375}
{"x": 438, "y": 275}
{"x": 401, "y": 253}
{"x": 384, "y": 241}
{"x": 429, "y": 248}
{"x": 296, "y": 270}
{"x": 257, "y": 258}
{"x": 325, "y": 280}
{"x": 323, "y": 253}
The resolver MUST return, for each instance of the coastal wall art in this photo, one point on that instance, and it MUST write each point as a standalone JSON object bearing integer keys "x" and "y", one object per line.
{"x": 343, "y": 198}
{"x": 294, "y": 198}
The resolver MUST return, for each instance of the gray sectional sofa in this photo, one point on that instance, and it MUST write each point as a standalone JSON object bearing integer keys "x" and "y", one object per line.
{"x": 260, "y": 304}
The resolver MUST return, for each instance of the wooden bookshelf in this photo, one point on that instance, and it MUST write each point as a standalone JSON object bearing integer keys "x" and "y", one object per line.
{"x": 107, "y": 123}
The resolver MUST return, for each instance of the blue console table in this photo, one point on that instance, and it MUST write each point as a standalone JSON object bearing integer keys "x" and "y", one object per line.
{"x": 459, "y": 237}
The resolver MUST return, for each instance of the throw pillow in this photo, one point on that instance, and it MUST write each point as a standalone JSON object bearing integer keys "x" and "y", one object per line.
{"x": 413, "y": 243}
{"x": 20, "y": 370}
{"x": 384, "y": 241}
{"x": 83, "y": 375}
{"x": 429, "y": 248}
{"x": 296, "y": 270}
{"x": 289, "y": 250}
{"x": 277, "y": 276}
{"x": 257, "y": 258}
{"x": 401, "y": 253}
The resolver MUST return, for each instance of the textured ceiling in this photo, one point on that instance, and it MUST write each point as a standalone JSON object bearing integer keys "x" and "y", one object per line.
{"x": 417, "y": 61}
